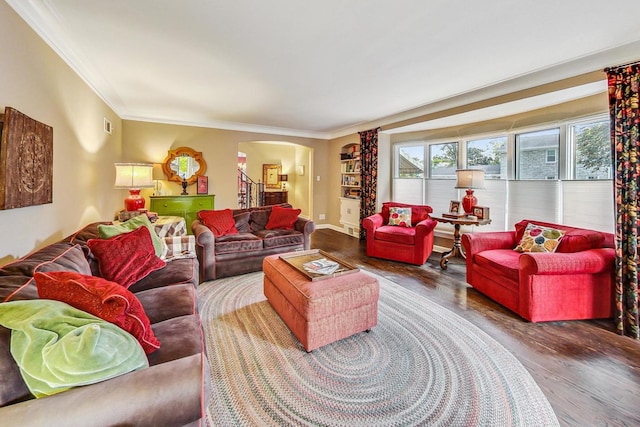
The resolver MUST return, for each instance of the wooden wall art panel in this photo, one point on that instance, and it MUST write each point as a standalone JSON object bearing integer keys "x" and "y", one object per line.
{"x": 26, "y": 161}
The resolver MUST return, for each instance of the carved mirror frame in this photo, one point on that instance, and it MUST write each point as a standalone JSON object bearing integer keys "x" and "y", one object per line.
{"x": 271, "y": 175}
{"x": 172, "y": 175}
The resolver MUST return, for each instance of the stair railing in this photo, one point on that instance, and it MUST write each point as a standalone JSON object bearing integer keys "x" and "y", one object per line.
{"x": 250, "y": 192}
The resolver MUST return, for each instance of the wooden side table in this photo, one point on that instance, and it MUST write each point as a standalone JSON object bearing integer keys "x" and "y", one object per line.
{"x": 457, "y": 250}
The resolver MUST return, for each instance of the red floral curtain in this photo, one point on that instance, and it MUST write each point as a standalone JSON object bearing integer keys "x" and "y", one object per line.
{"x": 624, "y": 86}
{"x": 368, "y": 175}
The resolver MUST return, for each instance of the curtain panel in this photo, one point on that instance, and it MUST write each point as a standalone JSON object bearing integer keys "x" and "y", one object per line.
{"x": 368, "y": 175}
{"x": 624, "y": 85}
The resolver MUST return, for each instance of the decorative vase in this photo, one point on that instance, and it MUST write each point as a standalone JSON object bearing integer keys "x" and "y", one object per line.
{"x": 469, "y": 201}
{"x": 134, "y": 200}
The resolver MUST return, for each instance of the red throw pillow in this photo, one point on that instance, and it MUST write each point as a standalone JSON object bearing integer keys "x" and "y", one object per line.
{"x": 282, "y": 218}
{"x": 220, "y": 222}
{"x": 126, "y": 258}
{"x": 102, "y": 298}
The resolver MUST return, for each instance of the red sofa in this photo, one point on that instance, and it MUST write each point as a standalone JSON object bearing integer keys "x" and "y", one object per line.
{"x": 575, "y": 282}
{"x": 412, "y": 245}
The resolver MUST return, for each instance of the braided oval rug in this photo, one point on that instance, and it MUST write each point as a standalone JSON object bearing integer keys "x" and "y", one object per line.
{"x": 421, "y": 365}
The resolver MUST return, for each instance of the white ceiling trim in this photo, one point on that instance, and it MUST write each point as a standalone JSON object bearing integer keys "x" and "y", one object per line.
{"x": 240, "y": 127}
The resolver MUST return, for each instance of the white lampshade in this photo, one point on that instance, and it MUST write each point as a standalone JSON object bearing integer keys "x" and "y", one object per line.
{"x": 133, "y": 175}
{"x": 470, "y": 178}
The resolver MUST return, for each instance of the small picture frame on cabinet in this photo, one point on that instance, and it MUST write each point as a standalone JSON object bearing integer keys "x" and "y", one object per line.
{"x": 454, "y": 206}
{"x": 203, "y": 185}
{"x": 481, "y": 212}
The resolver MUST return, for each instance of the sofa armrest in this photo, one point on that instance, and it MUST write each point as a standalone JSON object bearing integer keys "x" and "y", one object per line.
{"x": 371, "y": 223}
{"x": 425, "y": 227}
{"x": 306, "y": 227}
{"x": 170, "y": 393}
{"x": 205, "y": 250}
{"x": 477, "y": 242}
{"x": 591, "y": 261}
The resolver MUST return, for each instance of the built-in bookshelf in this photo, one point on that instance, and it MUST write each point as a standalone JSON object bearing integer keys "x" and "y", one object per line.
{"x": 350, "y": 186}
{"x": 350, "y": 171}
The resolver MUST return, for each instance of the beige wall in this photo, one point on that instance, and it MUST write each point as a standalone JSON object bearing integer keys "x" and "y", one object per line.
{"x": 150, "y": 142}
{"x": 39, "y": 84}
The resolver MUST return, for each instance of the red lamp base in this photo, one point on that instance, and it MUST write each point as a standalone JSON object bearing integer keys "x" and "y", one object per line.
{"x": 134, "y": 200}
{"x": 469, "y": 201}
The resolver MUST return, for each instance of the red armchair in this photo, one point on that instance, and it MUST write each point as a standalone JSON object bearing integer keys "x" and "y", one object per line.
{"x": 575, "y": 282}
{"x": 412, "y": 245}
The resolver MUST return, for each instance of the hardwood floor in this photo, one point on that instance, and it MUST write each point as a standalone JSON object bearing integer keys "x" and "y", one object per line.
{"x": 589, "y": 374}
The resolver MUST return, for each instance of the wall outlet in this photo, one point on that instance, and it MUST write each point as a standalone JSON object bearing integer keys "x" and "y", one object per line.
{"x": 322, "y": 216}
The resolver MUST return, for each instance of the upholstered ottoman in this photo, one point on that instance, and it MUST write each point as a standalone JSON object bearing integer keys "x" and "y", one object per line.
{"x": 323, "y": 311}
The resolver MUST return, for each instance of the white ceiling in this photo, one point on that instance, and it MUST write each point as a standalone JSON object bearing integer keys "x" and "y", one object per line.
{"x": 326, "y": 68}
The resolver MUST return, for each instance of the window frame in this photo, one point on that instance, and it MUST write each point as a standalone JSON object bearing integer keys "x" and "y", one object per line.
{"x": 565, "y": 152}
{"x": 559, "y": 151}
{"x": 396, "y": 158}
{"x": 430, "y": 166}
{"x": 572, "y": 149}
{"x": 494, "y": 135}
{"x": 553, "y": 151}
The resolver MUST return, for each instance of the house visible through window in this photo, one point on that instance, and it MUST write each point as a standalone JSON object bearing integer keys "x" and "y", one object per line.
{"x": 410, "y": 162}
{"x": 534, "y": 153}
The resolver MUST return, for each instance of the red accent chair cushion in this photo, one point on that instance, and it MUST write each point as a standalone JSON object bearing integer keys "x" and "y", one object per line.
{"x": 418, "y": 212}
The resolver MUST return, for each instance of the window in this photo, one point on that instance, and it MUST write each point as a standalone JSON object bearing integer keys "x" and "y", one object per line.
{"x": 489, "y": 154}
{"x": 443, "y": 160}
{"x": 552, "y": 155}
{"x": 410, "y": 163}
{"x": 592, "y": 142}
{"x": 533, "y": 151}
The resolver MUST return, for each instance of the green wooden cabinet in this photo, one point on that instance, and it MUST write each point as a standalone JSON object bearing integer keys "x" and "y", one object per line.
{"x": 184, "y": 206}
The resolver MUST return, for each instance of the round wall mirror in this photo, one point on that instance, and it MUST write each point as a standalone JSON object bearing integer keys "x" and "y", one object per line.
{"x": 184, "y": 164}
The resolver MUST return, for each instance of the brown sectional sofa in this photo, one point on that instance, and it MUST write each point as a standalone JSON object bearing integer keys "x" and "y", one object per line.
{"x": 241, "y": 253}
{"x": 171, "y": 391}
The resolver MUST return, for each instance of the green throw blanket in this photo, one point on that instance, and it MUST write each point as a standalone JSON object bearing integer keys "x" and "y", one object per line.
{"x": 58, "y": 347}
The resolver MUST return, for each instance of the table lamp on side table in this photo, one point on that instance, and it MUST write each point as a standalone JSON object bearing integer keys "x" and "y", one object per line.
{"x": 283, "y": 178}
{"x": 133, "y": 177}
{"x": 469, "y": 179}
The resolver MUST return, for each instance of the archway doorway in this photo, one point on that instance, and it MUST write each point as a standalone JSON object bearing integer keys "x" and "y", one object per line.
{"x": 296, "y": 162}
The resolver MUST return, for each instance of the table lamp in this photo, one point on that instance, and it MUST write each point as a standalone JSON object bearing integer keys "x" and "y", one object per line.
{"x": 284, "y": 178}
{"x": 469, "y": 179}
{"x": 158, "y": 175}
{"x": 133, "y": 177}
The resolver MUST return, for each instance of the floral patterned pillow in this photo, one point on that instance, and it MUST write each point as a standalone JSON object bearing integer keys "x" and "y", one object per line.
{"x": 400, "y": 216}
{"x": 537, "y": 238}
